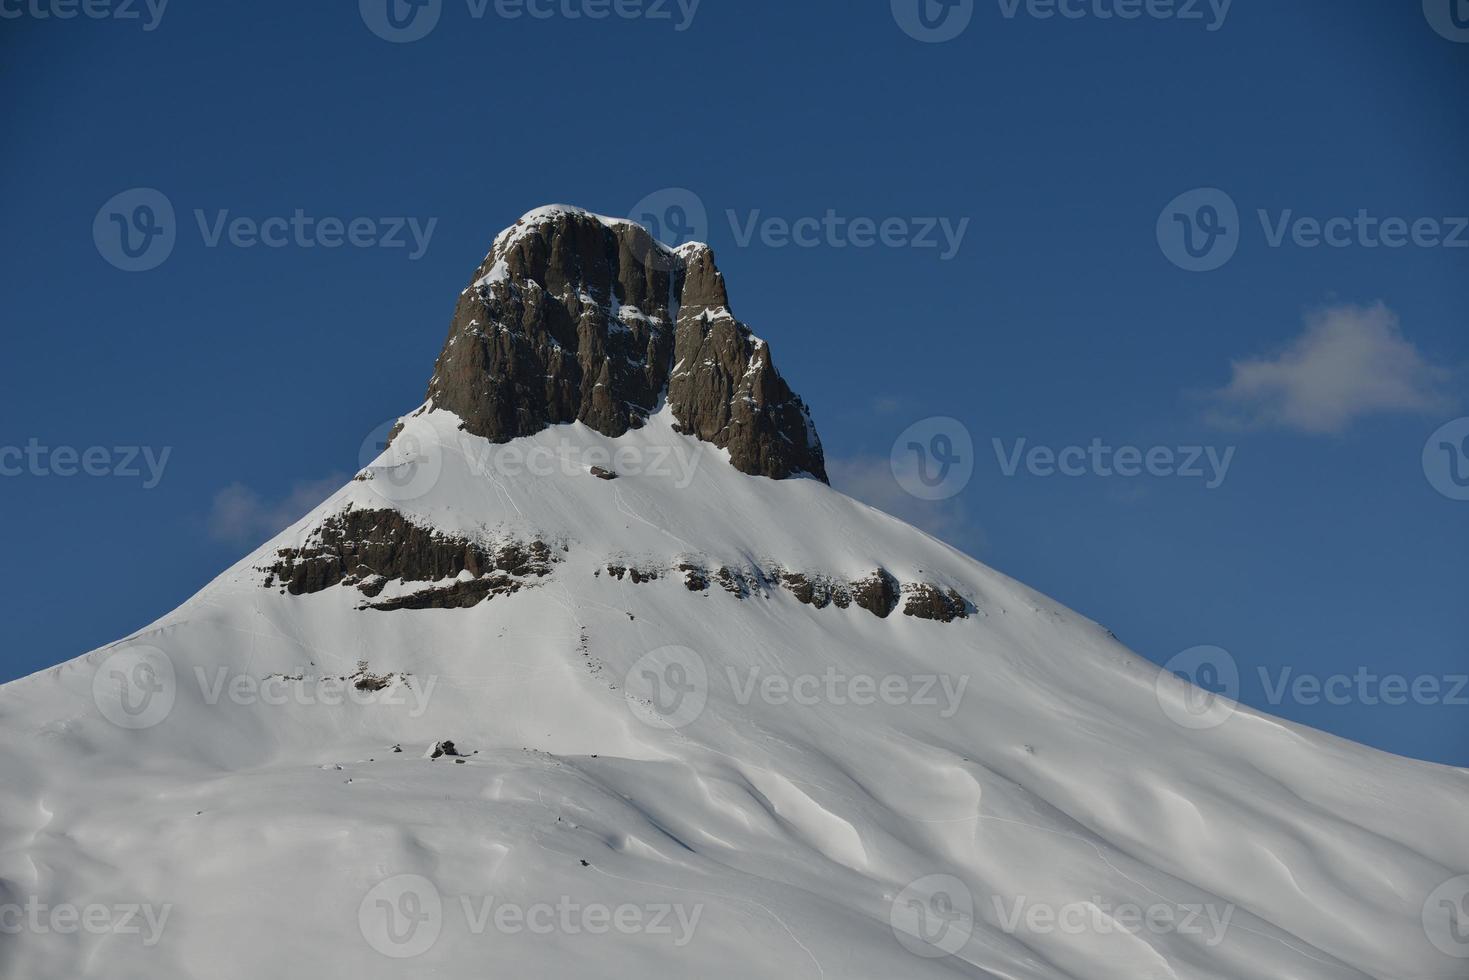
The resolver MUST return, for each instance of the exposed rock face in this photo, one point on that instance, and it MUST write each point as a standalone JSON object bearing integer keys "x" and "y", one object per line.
{"x": 573, "y": 317}
{"x": 636, "y": 574}
{"x": 880, "y": 593}
{"x": 930, "y": 602}
{"x": 369, "y": 548}
{"x": 817, "y": 590}
{"x": 460, "y": 595}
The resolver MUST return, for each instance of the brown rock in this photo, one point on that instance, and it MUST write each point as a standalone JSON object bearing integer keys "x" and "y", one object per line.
{"x": 379, "y": 546}
{"x": 564, "y": 321}
{"x": 460, "y": 595}
{"x": 930, "y": 602}
{"x": 878, "y": 593}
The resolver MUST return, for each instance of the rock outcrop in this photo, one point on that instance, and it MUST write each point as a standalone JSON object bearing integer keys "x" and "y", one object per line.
{"x": 370, "y": 548}
{"x": 925, "y": 601}
{"x": 880, "y": 592}
{"x": 575, "y": 317}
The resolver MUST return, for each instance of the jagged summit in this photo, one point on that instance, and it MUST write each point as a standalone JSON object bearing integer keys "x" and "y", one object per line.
{"x": 575, "y": 316}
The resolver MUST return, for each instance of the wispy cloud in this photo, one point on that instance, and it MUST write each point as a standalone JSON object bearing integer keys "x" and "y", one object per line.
{"x": 886, "y": 405}
{"x": 1351, "y": 362}
{"x": 870, "y": 480}
{"x": 240, "y": 515}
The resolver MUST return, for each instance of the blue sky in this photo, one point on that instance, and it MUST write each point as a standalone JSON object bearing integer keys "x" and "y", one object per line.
{"x": 1067, "y": 157}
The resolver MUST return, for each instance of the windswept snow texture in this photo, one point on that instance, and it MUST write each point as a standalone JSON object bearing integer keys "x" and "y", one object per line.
{"x": 595, "y": 825}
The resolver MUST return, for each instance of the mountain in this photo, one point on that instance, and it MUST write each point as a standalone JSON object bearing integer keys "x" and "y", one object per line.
{"x": 590, "y": 673}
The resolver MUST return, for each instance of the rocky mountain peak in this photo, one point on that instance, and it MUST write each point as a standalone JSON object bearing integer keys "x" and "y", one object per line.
{"x": 577, "y": 317}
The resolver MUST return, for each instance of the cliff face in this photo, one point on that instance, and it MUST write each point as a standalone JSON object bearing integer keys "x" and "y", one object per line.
{"x": 575, "y": 317}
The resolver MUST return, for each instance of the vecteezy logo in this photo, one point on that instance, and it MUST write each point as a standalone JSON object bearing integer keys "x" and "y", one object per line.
{"x": 401, "y": 460}
{"x": 135, "y": 687}
{"x": 933, "y": 21}
{"x": 135, "y": 231}
{"x": 1446, "y": 917}
{"x": 667, "y": 688}
{"x": 933, "y": 459}
{"x": 674, "y": 216}
{"x": 1200, "y": 231}
{"x": 402, "y": 916}
{"x": 934, "y": 916}
{"x": 1199, "y": 688}
{"x": 1446, "y": 459}
{"x": 401, "y": 21}
{"x": 1450, "y": 18}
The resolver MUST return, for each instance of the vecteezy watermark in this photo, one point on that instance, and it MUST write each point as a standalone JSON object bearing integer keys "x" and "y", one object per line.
{"x": 934, "y": 916}
{"x": 148, "y": 13}
{"x": 833, "y": 230}
{"x": 933, "y": 21}
{"x": 123, "y": 462}
{"x": 135, "y": 687}
{"x": 1363, "y": 686}
{"x": 362, "y": 689}
{"x": 1200, "y": 688}
{"x": 404, "y": 21}
{"x": 1201, "y": 230}
{"x": 413, "y": 466}
{"x": 67, "y": 919}
{"x": 1450, "y": 18}
{"x": 1446, "y": 917}
{"x": 942, "y": 692}
{"x": 1209, "y": 464}
{"x": 301, "y": 230}
{"x": 936, "y": 21}
{"x": 676, "y": 216}
{"x": 1211, "y": 13}
{"x": 137, "y": 230}
{"x": 667, "y": 688}
{"x": 403, "y": 459}
{"x": 677, "y": 463}
{"x": 1446, "y": 459}
{"x": 404, "y": 916}
{"x": 933, "y": 459}
{"x": 1103, "y": 918}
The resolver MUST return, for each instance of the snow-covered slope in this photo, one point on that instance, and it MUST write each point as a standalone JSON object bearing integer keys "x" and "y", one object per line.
{"x": 697, "y": 774}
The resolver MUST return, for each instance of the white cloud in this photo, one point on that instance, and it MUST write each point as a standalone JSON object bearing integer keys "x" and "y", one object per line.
{"x": 886, "y": 405}
{"x": 870, "y": 480}
{"x": 1350, "y": 363}
{"x": 240, "y": 515}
